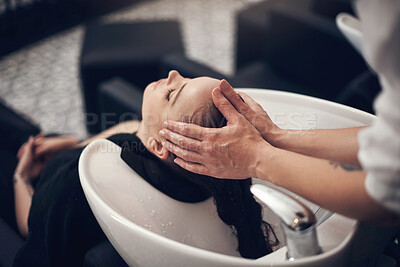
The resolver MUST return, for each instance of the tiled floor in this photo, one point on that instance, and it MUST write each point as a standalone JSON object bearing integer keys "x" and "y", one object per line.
{"x": 41, "y": 81}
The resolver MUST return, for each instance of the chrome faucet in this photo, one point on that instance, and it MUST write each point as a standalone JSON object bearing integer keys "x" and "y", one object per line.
{"x": 297, "y": 221}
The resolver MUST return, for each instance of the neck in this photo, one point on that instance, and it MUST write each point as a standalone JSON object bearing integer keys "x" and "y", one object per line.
{"x": 143, "y": 134}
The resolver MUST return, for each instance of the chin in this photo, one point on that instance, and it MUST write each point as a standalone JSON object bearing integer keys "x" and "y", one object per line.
{"x": 150, "y": 85}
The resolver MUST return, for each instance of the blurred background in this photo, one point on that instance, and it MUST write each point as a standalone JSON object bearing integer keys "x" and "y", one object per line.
{"x": 80, "y": 66}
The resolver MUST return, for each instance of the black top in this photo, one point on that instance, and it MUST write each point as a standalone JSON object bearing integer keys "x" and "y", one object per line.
{"x": 62, "y": 228}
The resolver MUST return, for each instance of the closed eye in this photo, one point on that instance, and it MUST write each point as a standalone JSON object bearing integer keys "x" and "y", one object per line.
{"x": 168, "y": 93}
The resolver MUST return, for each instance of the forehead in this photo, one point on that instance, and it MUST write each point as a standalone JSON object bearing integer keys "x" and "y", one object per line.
{"x": 196, "y": 93}
{"x": 200, "y": 87}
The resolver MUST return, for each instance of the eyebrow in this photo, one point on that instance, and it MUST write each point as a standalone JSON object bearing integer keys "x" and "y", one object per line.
{"x": 178, "y": 94}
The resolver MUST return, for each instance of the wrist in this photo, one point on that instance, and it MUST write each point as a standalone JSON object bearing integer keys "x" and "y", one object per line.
{"x": 20, "y": 177}
{"x": 274, "y": 135}
{"x": 264, "y": 153}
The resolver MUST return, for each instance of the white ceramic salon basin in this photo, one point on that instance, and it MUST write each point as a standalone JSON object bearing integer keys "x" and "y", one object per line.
{"x": 148, "y": 228}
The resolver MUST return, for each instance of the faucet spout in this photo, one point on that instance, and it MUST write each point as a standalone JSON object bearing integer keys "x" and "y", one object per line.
{"x": 297, "y": 221}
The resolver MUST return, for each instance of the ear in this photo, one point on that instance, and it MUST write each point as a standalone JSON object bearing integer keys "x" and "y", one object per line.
{"x": 157, "y": 148}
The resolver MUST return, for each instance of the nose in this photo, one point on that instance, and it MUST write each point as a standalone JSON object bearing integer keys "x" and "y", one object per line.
{"x": 172, "y": 76}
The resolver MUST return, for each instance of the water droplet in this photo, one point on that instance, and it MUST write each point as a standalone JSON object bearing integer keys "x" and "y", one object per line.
{"x": 163, "y": 225}
{"x": 163, "y": 232}
{"x": 140, "y": 200}
{"x": 153, "y": 212}
{"x": 170, "y": 223}
{"x": 150, "y": 198}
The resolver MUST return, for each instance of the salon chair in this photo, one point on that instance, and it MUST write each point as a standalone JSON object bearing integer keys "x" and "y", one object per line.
{"x": 293, "y": 46}
{"x": 103, "y": 254}
{"x": 15, "y": 129}
{"x": 129, "y": 50}
{"x": 296, "y": 46}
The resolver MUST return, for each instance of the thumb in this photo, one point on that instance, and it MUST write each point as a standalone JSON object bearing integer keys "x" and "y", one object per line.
{"x": 225, "y": 107}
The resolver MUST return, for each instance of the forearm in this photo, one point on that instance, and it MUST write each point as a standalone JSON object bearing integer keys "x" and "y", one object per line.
{"x": 332, "y": 144}
{"x": 23, "y": 192}
{"x": 325, "y": 183}
{"x": 123, "y": 127}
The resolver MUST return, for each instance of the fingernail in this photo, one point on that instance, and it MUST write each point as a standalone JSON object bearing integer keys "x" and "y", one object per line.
{"x": 224, "y": 84}
{"x": 166, "y": 124}
{"x": 216, "y": 91}
{"x": 161, "y": 132}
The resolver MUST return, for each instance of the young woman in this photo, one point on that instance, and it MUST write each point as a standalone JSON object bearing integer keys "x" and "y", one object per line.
{"x": 61, "y": 227}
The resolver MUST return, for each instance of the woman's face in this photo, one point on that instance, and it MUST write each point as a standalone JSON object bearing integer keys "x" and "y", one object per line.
{"x": 173, "y": 98}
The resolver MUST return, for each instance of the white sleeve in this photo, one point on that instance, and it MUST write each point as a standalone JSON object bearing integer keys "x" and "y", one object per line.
{"x": 379, "y": 152}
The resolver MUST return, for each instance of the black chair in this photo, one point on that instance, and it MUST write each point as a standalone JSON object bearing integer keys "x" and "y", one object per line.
{"x": 10, "y": 242}
{"x": 16, "y": 129}
{"x": 132, "y": 51}
{"x": 119, "y": 101}
{"x": 295, "y": 46}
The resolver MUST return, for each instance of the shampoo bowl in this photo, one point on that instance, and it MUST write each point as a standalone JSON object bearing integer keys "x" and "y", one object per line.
{"x": 148, "y": 228}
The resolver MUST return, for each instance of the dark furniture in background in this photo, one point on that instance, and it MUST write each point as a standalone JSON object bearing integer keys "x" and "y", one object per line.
{"x": 295, "y": 46}
{"x": 15, "y": 129}
{"x": 132, "y": 51}
{"x": 10, "y": 242}
{"x": 289, "y": 45}
{"x": 25, "y": 21}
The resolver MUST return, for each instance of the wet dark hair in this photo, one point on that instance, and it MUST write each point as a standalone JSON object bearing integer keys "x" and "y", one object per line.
{"x": 236, "y": 205}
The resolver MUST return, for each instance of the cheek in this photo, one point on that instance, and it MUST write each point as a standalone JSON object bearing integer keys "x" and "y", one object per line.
{"x": 154, "y": 113}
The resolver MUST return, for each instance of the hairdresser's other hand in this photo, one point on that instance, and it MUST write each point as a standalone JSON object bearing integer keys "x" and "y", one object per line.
{"x": 29, "y": 166}
{"x": 228, "y": 152}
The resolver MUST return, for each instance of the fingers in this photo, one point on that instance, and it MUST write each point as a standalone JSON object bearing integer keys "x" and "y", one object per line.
{"x": 26, "y": 155}
{"x": 188, "y": 130}
{"x": 250, "y": 101}
{"x": 181, "y": 141}
{"x": 246, "y": 97}
{"x": 37, "y": 140}
{"x": 43, "y": 149}
{"x": 228, "y": 91}
{"x": 21, "y": 151}
{"x": 235, "y": 99}
{"x": 192, "y": 167}
{"x": 185, "y": 154}
{"x": 225, "y": 107}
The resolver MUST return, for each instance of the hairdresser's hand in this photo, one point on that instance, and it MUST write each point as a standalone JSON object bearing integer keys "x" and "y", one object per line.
{"x": 29, "y": 166}
{"x": 252, "y": 111}
{"x": 228, "y": 152}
